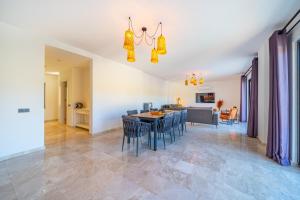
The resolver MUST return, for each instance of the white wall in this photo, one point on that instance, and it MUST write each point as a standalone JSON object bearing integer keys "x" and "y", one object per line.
{"x": 117, "y": 88}
{"x": 227, "y": 89}
{"x": 21, "y": 86}
{"x": 51, "y": 97}
{"x": 80, "y": 86}
{"x": 263, "y": 91}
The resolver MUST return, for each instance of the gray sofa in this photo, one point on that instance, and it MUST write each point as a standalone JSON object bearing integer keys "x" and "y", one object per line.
{"x": 202, "y": 115}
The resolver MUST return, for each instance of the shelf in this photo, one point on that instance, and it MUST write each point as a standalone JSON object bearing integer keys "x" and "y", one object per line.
{"x": 83, "y": 125}
{"x": 82, "y": 111}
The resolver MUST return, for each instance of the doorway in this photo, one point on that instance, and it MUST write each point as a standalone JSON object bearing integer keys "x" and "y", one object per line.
{"x": 64, "y": 101}
{"x": 67, "y": 95}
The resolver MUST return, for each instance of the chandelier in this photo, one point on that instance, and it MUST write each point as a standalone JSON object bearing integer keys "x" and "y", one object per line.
{"x": 194, "y": 80}
{"x": 149, "y": 39}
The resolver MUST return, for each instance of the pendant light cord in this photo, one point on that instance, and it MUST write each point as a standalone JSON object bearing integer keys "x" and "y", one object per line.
{"x": 153, "y": 35}
{"x": 131, "y": 26}
{"x": 149, "y": 43}
{"x": 140, "y": 40}
{"x": 145, "y": 35}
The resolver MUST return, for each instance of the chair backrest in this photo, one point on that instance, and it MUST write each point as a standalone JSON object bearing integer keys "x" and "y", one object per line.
{"x": 130, "y": 126}
{"x": 144, "y": 111}
{"x": 143, "y": 128}
{"x": 166, "y": 123}
{"x": 132, "y": 112}
{"x": 183, "y": 118}
{"x": 176, "y": 119}
{"x": 233, "y": 113}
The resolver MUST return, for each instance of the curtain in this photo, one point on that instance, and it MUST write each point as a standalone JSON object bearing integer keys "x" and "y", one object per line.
{"x": 253, "y": 101}
{"x": 278, "y": 127}
{"x": 243, "y": 99}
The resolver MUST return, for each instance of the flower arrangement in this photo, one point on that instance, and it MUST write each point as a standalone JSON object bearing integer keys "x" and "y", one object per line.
{"x": 220, "y": 104}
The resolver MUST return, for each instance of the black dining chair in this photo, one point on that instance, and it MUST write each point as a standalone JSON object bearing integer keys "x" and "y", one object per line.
{"x": 176, "y": 122}
{"x": 165, "y": 127}
{"x": 135, "y": 129}
{"x": 132, "y": 112}
{"x": 183, "y": 120}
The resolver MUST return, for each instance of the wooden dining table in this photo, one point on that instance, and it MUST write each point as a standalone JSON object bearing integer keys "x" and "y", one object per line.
{"x": 153, "y": 118}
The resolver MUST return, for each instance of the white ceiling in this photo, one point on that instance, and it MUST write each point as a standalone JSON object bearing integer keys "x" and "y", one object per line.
{"x": 58, "y": 60}
{"x": 213, "y": 36}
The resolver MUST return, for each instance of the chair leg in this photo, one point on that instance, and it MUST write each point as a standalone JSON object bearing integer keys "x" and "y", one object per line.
{"x": 150, "y": 139}
{"x": 171, "y": 137}
{"x": 173, "y": 133}
{"x": 137, "y": 146}
{"x": 164, "y": 140}
{"x": 123, "y": 142}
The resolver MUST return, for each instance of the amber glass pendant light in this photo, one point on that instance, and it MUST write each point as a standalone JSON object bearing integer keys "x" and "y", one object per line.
{"x": 154, "y": 55}
{"x": 161, "y": 43}
{"x": 130, "y": 56}
{"x": 129, "y": 42}
{"x": 194, "y": 80}
{"x": 201, "y": 81}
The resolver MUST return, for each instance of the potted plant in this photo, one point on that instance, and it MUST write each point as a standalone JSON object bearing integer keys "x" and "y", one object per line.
{"x": 220, "y": 104}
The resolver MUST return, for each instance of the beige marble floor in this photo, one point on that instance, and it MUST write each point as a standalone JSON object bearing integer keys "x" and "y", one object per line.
{"x": 206, "y": 163}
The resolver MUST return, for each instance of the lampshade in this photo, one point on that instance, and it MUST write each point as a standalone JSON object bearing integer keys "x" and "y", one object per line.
{"x": 201, "y": 81}
{"x": 193, "y": 80}
{"x": 130, "y": 56}
{"x": 154, "y": 56}
{"x": 129, "y": 40}
{"x": 161, "y": 45}
{"x": 186, "y": 82}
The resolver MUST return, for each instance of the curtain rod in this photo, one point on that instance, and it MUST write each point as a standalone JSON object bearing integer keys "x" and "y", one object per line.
{"x": 248, "y": 71}
{"x": 282, "y": 30}
{"x": 250, "y": 68}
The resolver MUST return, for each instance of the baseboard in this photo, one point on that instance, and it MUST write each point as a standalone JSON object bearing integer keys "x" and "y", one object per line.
{"x": 106, "y": 131}
{"x": 22, "y": 153}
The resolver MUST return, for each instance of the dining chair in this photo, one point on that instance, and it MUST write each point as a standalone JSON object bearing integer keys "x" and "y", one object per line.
{"x": 144, "y": 111}
{"x": 176, "y": 122}
{"x": 183, "y": 120}
{"x": 132, "y": 112}
{"x": 134, "y": 128}
{"x": 165, "y": 127}
{"x": 229, "y": 117}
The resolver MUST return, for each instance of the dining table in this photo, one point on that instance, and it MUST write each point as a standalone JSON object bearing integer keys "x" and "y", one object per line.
{"x": 153, "y": 117}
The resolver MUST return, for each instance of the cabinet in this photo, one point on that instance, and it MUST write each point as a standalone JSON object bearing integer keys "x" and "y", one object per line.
{"x": 81, "y": 118}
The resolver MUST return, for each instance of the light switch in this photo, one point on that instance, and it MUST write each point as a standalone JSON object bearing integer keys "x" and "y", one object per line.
{"x": 23, "y": 110}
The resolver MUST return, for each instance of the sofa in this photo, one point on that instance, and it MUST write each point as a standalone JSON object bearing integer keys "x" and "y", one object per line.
{"x": 204, "y": 115}
{"x": 172, "y": 107}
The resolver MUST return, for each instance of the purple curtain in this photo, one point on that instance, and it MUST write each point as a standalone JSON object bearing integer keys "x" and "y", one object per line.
{"x": 243, "y": 98}
{"x": 278, "y": 129}
{"x": 253, "y": 101}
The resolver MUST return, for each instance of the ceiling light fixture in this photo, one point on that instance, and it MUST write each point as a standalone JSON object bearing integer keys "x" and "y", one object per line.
{"x": 149, "y": 39}
{"x": 194, "y": 80}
